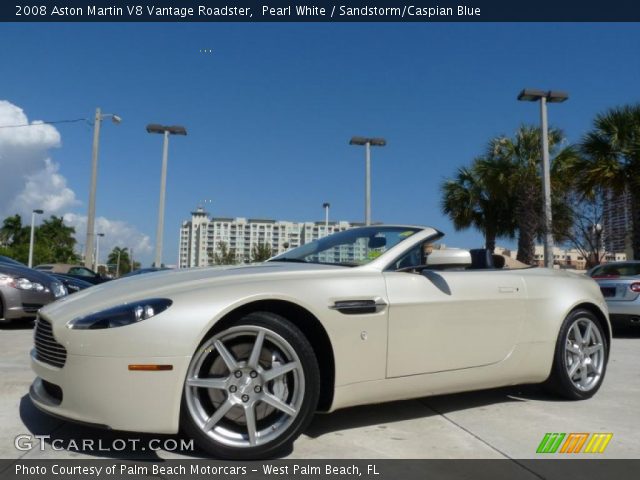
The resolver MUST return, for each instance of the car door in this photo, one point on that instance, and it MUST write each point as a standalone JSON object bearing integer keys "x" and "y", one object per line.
{"x": 448, "y": 320}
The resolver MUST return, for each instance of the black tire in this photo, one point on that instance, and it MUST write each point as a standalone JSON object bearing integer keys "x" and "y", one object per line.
{"x": 279, "y": 336}
{"x": 560, "y": 382}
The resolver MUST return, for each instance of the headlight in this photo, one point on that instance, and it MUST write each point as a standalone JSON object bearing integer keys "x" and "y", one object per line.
{"x": 121, "y": 315}
{"x": 23, "y": 283}
{"x": 58, "y": 289}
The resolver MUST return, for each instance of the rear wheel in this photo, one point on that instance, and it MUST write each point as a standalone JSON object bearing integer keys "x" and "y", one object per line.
{"x": 251, "y": 388}
{"x": 581, "y": 356}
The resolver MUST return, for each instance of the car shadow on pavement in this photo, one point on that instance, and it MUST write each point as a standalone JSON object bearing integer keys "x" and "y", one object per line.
{"x": 68, "y": 436}
{"x": 380, "y": 414}
{"x": 626, "y": 332}
{"x": 17, "y": 325}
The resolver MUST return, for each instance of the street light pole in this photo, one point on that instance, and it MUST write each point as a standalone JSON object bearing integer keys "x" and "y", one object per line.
{"x": 326, "y": 206}
{"x": 367, "y": 183}
{"x": 91, "y": 216}
{"x": 95, "y": 265}
{"x": 546, "y": 186}
{"x": 368, "y": 143}
{"x": 531, "y": 95}
{"x": 88, "y": 259}
{"x": 163, "y": 188}
{"x": 166, "y": 131}
{"x": 33, "y": 223}
{"x": 118, "y": 264}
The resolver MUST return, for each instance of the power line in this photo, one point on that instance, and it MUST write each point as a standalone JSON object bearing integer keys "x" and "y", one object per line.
{"x": 46, "y": 123}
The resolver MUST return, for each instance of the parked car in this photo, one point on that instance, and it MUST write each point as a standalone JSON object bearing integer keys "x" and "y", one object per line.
{"x": 23, "y": 291}
{"x": 72, "y": 284}
{"x": 242, "y": 356}
{"x": 76, "y": 271}
{"x": 620, "y": 286}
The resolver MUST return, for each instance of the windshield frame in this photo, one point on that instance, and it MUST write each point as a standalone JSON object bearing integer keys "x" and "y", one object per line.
{"x": 316, "y": 247}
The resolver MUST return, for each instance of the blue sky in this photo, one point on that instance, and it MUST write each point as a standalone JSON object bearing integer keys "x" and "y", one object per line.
{"x": 270, "y": 111}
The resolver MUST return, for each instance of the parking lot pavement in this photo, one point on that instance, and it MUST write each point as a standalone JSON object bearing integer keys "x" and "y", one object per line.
{"x": 500, "y": 423}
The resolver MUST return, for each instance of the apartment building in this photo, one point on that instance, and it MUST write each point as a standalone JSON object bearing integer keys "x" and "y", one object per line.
{"x": 203, "y": 236}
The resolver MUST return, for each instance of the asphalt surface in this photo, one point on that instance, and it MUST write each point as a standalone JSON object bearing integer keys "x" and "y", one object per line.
{"x": 501, "y": 423}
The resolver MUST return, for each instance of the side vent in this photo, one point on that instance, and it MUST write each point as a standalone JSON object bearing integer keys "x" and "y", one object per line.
{"x": 358, "y": 307}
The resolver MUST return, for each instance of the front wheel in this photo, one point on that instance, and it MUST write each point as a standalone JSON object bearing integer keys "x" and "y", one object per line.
{"x": 251, "y": 388}
{"x": 581, "y": 355}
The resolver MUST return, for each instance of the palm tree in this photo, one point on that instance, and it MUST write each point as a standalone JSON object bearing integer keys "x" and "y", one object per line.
{"x": 612, "y": 160}
{"x": 11, "y": 231}
{"x": 524, "y": 152}
{"x": 59, "y": 239}
{"x": 479, "y": 197}
{"x": 120, "y": 258}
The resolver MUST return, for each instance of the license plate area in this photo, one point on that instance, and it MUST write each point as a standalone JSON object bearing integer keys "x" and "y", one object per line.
{"x": 608, "y": 292}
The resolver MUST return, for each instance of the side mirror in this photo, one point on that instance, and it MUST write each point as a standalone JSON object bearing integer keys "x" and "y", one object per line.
{"x": 451, "y": 257}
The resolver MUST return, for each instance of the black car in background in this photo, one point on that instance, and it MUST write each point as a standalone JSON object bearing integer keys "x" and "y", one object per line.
{"x": 73, "y": 284}
{"x": 76, "y": 271}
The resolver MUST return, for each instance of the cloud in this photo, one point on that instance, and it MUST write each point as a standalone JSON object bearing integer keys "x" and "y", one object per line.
{"x": 30, "y": 179}
{"x": 116, "y": 234}
{"x": 45, "y": 189}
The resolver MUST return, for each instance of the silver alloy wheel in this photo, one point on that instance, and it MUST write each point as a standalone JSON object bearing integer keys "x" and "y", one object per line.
{"x": 584, "y": 354}
{"x": 245, "y": 386}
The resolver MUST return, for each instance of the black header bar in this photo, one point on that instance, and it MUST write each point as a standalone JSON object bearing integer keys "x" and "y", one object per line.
{"x": 420, "y": 11}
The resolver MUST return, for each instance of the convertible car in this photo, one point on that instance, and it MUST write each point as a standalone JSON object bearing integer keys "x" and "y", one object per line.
{"x": 240, "y": 357}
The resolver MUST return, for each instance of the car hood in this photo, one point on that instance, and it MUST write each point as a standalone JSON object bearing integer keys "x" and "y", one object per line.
{"x": 170, "y": 282}
{"x": 30, "y": 274}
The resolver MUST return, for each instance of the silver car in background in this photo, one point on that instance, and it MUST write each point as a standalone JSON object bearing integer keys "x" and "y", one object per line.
{"x": 23, "y": 291}
{"x": 620, "y": 286}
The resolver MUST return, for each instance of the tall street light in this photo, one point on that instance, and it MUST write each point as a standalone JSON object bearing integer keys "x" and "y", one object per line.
{"x": 91, "y": 216}
{"x": 33, "y": 223}
{"x": 95, "y": 266}
{"x": 326, "y": 206}
{"x": 368, "y": 143}
{"x": 166, "y": 131}
{"x": 532, "y": 95}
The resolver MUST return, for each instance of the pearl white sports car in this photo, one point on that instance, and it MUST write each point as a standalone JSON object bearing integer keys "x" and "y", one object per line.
{"x": 241, "y": 357}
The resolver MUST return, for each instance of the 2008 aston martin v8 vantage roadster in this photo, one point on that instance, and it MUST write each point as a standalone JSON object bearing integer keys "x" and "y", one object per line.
{"x": 241, "y": 357}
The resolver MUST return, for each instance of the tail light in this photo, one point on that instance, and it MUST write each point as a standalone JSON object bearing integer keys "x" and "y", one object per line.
{"x": 635, "y": 287}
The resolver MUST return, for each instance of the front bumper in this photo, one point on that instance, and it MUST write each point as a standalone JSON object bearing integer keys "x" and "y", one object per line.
{"x": 103, "y": 391}
{"x": 23, "y": 303}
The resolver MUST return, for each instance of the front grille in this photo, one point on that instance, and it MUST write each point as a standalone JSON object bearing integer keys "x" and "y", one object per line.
{"x": 48, "y": 350}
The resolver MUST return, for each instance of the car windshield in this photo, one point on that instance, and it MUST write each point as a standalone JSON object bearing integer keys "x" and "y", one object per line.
{"x": 617, "y": 270}
{"x": 350, "y": 248}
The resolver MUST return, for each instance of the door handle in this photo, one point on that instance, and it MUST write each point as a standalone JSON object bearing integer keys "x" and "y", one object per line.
{"x": 508, "y": 289}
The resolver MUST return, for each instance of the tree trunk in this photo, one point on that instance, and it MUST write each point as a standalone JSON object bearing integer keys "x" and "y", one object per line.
{"x": 490, "y": 239}
{"x": 528, "y": 219}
